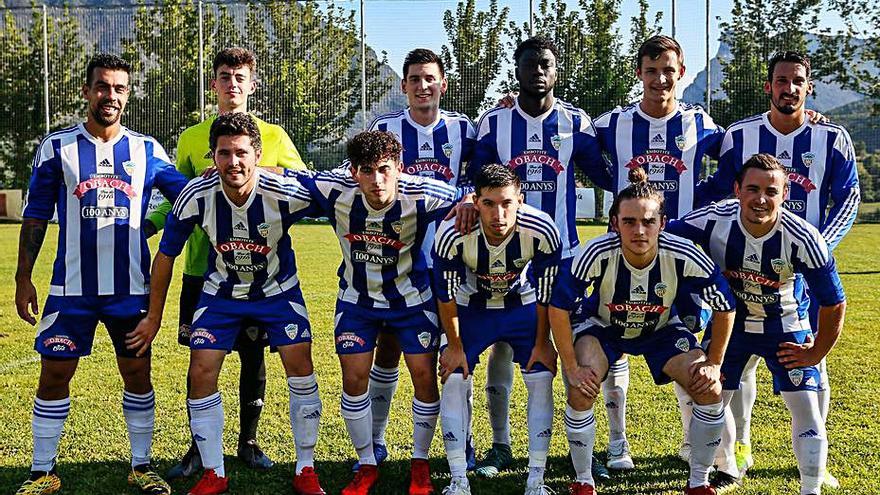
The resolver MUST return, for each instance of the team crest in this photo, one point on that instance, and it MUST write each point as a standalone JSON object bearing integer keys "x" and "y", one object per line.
{"x": 556, "y": 141}
{"x": 683, "y": 345}
{"x": 660, "y": 289}
{"x": 128, "y": 166}
{"x": 808, "y": 158}
{"x": 425, "y": 339}
{"x": 447, "y": 149}
{"x": 263, "y": 229}
{"x": 680, "y": 141}
{"x": 777, "y": 264}
{"x": 690, "y": 322}
{"x": 397, "y": 226}
{"x": 796, "y": 376}
{"x": 291, "y": 330}
{"x": 519, "y": 263}
{"x": 252, "y": 333}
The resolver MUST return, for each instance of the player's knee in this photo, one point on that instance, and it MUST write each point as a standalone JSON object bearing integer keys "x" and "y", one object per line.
{"x": 55, "y": 379}
{"x": 578, "y": 401}
{"x": 712, "y": 396}
{"x": 423, "y": 377}
{"x": 387, "y": 352}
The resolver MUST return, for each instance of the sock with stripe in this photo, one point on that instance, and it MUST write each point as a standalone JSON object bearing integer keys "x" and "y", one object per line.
{"x": 455, "y": 421}
{"x": 539, "y": 417}
{"x": 705, "y": 435}
{"x": 686, "y": 408}
{"x": 424, "y": 423}
{"x": 614, "y": 390}
{"x": 580, "y": 428}
{"x": 808, "y": 438}
{"x": 47, "y": 424}
{"x": 139, "y": 411}
{"x": 743, "y": 401}
{"x": 383, "y": 384}
{"x": 206, "y": 423}
{"x": 499, "y": 382}
{"x": 359, "y": 423}
{"x": 305, "y": 418}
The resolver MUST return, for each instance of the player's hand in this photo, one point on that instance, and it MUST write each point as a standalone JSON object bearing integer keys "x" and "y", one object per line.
{"x": 26, "y": 301}
{"x": 705, "y": 377}
{"x": 143, "y": 335}
{"x": 585, "y": 380}
{"x": 508, "y": 100}
{"x": 209, "y": 172}
{"x": 543, "y": 353}
{"x": 465, "y": 214}
{"x": 816, "y": 117}
{"x": 794, "y": 355}
{"x": 149, "y": 228}
{"x": 452, "y": 358}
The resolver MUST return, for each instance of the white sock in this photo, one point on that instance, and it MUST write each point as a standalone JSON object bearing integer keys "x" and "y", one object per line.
{"x": 536, "y": 476}
{"x": 539, "y": 417}
{"x": 383, "y": 384}
{"x": 499, "y": 382}
{"x": 424, "y": 423}
{"x": 725, "y": 460}
{"x": 808, "y": 437}
{"x": 614, "y": 391}
{"x": 580, "y": 427}
{"x": 744, "y": 401}
{"x": 305, "y": 418}
{"x": 359, "y": 421}
{"x": 825, "y": 392}
{"x": 686, "y": 408}
{"x": 206, "y": 423}
{"x": 454, "y": 421}
{"x": 705, "y": 437}
{"x": 47, "y": 424}
{"x": 139, "y": 411}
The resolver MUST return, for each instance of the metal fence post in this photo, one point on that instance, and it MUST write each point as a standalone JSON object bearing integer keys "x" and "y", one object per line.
{"x": 673, "y": 18}
{"x": 708, "y": 61}
{"x": 201, "y": 61}
{"x": 363, "y": 70}
{"x": 531, "y": 18}
{"x": 46, "y": 66}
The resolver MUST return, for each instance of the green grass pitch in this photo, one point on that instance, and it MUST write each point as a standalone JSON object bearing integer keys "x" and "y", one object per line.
{"x": 93, "y": 455}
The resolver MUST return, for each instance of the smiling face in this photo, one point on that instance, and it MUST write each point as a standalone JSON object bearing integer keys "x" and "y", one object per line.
{"x": 236, "y": 160}
{"x": 233, "y": 86}
{"x": 761, "y": 193}
{"x": 378, "y": 181}
{"x": 789, "y": 87}
{"x": 497, "y": 207}
{"x": 107, "y": 95}
{"x": 639, "y": 222}
{"x": 659, "y": 77}
{"x": 424, "y": 85}
{"x": 536, "y": 72}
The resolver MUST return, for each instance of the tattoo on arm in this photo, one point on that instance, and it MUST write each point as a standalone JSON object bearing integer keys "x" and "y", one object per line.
{"x": 33, "y": 232}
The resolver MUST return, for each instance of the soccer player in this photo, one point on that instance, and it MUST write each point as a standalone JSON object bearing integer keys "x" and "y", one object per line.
{"x": 435, "y": 144}
{"x": 251, "y": 280}
{"x": 820, "y": 162}
{"x": 638, "y": 274}
{"x": 98, "y": 175}
{"x": 233, "y": 81}
{"x": 767, "y": 252}
{"x": 381, "y": 217}
{"x": 493, "y": 284}
{"x": 542, "y": 139}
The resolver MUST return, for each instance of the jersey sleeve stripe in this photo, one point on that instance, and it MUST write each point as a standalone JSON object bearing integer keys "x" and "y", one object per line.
{"x": 194, "y": 188}
{"x": 836, "y": 229}
{"x": 810, "y": 243}
{"x": 592, "y": 252}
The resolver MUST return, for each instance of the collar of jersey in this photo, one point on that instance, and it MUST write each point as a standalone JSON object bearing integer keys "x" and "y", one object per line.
{"x": 85, "y": 132}
{"x": 539, "y": 118}
{"x": 791, "y": 135}
{"x": 633, "y": 269}
{"x": 424, "y": 129}
{"x": 665, "y": 118}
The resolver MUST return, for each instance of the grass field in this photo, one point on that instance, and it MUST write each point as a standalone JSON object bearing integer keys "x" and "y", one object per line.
{"x": 93, "y": 456}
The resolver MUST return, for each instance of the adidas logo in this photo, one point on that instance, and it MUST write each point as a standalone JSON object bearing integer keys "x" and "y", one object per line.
{"x": 423, "y": 424}
{"x": 240, "y": 226}
{"x": 306, "y": 334}
{"x": 714, "y": 444}
{"x": 498, "y": 264}
{"x": 546, "y": 433}
{"x": 535, "y": 139}
{"x": 784, "y": 155}
{"x": 104, "y": 163}
{"x": 658, "y": 139}
{"x": 207, "y": 155}
{"x": 612, "y": 405}
{"x": 577, "y": 443}
{"x": 449, "y": 437}
{"x": 811, "y": 433}
{"x": 492, "y": 390}
{"x": 753, "y": 258}
{"x": 316, "y": 414}
{"x": 198, "y": 438}
{"x": 811, "y": 382}
{"x": 638, "y": 290}
{"x": 379, "y": 398}
{"x": 426, "y": 147}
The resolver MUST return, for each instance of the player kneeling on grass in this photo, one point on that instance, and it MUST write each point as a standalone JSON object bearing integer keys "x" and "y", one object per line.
{"x": 251, "y": 278}
{"x": 637, "y": 272}
{"x": 493, "y": 285}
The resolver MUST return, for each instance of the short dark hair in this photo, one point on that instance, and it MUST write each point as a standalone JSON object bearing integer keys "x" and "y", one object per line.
{"x": 760, "y": 161}
{"x": 494, "y": 176}
{"x": 654, "y": 46}
{"x": 106, "y": 61}
{"x": 535, "y": 43}
{"x": 235, "y": 124}
{"x": 371, "y": 147}
{"x": 422, "y": 56}
{"x": 638, "y": 188}
{"x": 787, "y": 56}
{"x": 235, "y": 57}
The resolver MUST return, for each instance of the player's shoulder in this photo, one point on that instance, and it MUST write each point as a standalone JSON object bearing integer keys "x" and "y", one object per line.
{"x": 838, "y": 132}
{"x": 268, "y": 131}
{"x": 195, "y": 135}
{"x": 799, "y": 227}
{"x": 493, "y": 112}
{"x": 415, "y": 187}
{"x": 537, "y": 223}
{"x": 455, "y": 117}
{"x": 199, "y": 187}
{"x": 571, "y": 109}
{"x": 753, "y": 121}
{"x": 694, "y": 108}
{"x": 283, "y": 188}
{"x": 387, "y": 117}
{"x": 447, "y": 236}
{"x": 596, "y": 247}
{"x": 726, "y": 209}
{"x": 67, "y": 132}
{"x": 681, "y": 248}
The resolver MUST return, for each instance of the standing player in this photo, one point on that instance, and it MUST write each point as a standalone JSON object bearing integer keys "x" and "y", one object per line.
{"x": 381, "y": 217}
{"x": 820, "y": 162}
{"x": 767, "y": 253}
{"x": 98, "y": 175}
{"x": 638, "y": 274}
{"x": 233, "y": 81}
{"x": 493, "y": 285}
{"x": 435, "y": 144}
{"x": 542, "y": 139}
{"x": 251, "y": 279}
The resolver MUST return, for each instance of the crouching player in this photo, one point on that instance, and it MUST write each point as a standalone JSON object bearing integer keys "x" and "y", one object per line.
{"x": 251, "y": 278}
{"x": 493, "y": 285}
{"x": 767, "y": 253}
{"x": 637, "y": 273}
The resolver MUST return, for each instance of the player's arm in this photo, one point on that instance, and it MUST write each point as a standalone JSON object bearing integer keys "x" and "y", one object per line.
{"x": 155, "y": 221}
{"x": 565, "y": 298}
{"x": 449, "y": 269}
{"x": 588, "y": 157}
{"x": 719, "y": 185}
{"x": 545, "y": 266}
{"x": 715, "y": 292}
{"x": 845, "y": 192}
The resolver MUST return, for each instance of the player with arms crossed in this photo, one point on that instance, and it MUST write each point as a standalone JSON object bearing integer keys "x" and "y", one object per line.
{"x": 99, "y": 175}
{"x": 436, "y": 143}
{"x": 820, "y": 162}
{"x": 233, "y": 81}
{"x": 493, "y": 285}
{"x": 768, "y": 253}
{"x": 251, "y": 280}
{"x": 638, "y": 274}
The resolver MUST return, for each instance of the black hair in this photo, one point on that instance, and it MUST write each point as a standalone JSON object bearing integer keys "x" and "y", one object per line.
{"x": 422, "y": 56}
{"x": 371, "y": 147}
{"x": 106, "y": 61}
{"x": 235, "y": 124}
{"x": 494, "y": 176}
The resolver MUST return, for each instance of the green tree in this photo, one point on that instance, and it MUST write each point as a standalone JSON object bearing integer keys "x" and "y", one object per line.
{"x": 474, "y": 54}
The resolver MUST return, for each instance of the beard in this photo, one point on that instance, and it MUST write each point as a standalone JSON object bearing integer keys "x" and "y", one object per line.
{"x": 103, "y": 121}
{"x": 786, "y": 109}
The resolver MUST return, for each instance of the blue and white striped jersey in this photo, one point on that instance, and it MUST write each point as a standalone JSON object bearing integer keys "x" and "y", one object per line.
{"x": 383, "y": 264}
{"x": 438, "y": 151}
{"x": 542, "y": 151}
{"x": 636, "y": 302}
{"x": 252, "y": 257}
{"x": 519, "y": 271}
{"x": 101, "y": 190}
{"x": 821, "y": 166}
{"x": 766, "y": 274}
{"x": 670, "y": 149}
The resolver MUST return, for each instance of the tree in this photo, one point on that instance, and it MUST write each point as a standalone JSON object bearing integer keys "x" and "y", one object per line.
{"x": 474, "y": 59}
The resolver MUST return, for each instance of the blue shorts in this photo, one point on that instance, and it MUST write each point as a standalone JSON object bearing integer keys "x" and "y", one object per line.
{"x": 67, "y": 329}
{"x": 657, "y": 347}
{"x": 481, "y": 328}
{"x": 743, "y": 345}
{"x": 692, "y": 313}
{"x": 357, "y": 327}
{"x": 217, "y": 321}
